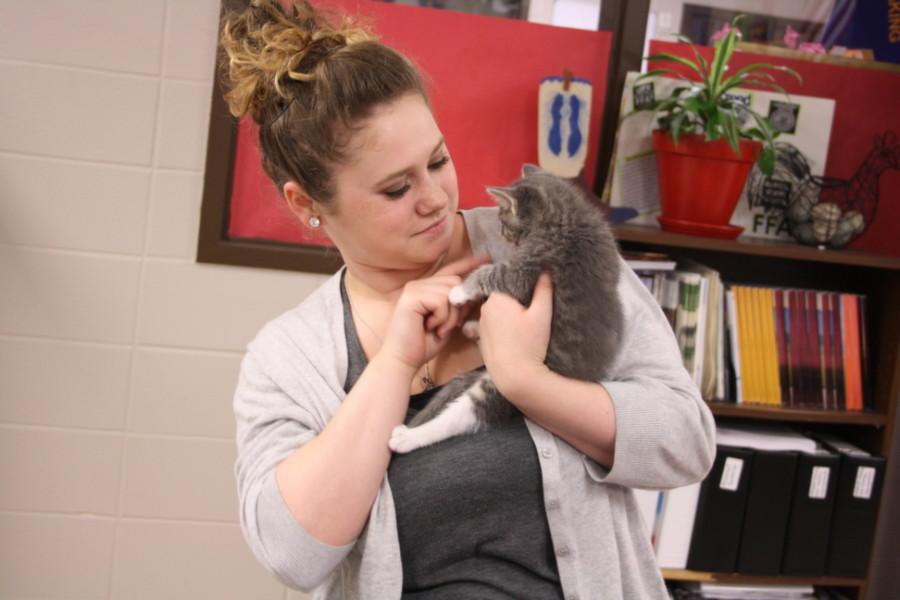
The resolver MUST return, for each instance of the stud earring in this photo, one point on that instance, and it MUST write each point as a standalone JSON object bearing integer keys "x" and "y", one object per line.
{"x": 314, "y": 222}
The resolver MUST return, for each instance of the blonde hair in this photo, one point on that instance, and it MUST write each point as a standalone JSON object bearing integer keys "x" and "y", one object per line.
{"x": 307, "y": 78}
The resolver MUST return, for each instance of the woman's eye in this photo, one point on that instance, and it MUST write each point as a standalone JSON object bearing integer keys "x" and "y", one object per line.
{"x": 398, "y": 192}
{"x": 439, "y": 163}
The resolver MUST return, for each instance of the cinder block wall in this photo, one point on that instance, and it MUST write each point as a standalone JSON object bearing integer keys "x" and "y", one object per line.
{"x": 118, "y": 353}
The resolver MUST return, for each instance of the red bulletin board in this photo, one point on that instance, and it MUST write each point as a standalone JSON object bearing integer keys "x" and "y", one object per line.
{"x": 866, "y": 106}
{"x": 483, "y": 75}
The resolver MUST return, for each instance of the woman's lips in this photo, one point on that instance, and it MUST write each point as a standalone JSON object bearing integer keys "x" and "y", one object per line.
{"x": 435, "y": 228}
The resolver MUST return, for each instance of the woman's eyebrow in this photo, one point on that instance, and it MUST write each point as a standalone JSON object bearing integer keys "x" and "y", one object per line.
{"x": 387, "y": 178}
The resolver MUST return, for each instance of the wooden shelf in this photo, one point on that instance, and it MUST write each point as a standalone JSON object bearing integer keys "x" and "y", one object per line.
{"x": 685, "y": 575}
{"x": 760, "y": 247}
{"x": 770, "y": 413}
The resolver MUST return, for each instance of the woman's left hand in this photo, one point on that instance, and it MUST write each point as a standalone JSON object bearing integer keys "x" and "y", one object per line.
{"x": 514, "y": 338}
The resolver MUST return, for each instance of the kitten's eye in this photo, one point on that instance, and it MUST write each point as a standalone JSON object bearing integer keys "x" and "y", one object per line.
{"x": 435, "y": 166}
{"x": 397, "y": 193}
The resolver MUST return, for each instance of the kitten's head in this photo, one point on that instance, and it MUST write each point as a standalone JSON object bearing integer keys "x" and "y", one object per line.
{"x": 537, "y": 199}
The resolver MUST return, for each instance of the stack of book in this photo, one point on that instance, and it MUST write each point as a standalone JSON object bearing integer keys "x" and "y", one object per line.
{"x": 692, "y": 298}
{"x": 797, "y": 348}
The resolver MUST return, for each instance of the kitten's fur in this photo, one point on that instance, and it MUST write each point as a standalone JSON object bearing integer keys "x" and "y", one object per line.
{"x": 554, "y": 230}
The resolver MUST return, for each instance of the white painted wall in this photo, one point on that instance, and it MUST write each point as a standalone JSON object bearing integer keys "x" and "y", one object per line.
{"x": 118, "y": 354}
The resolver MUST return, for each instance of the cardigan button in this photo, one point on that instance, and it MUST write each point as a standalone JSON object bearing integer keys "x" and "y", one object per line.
{"x": 563, "y": 551}
{"x": 553, "y": 504}
{"x": 547, "y": 453}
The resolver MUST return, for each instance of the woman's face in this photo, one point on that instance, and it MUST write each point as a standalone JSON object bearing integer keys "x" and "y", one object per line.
{"x": 396, "y": 197}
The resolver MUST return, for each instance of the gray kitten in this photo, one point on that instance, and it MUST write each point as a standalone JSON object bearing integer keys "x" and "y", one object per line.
{"x": 554, "y": 229}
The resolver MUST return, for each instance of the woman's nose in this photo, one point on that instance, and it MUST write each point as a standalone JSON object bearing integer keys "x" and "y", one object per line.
{"x": 432, "y": 197}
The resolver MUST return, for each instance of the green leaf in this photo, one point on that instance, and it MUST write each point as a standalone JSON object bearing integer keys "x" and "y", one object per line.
{"x": 720, "y": 59}
{"x": 656, "y": 72}
{"x": 767, "y": 161}
{"x": 666, "y": 57}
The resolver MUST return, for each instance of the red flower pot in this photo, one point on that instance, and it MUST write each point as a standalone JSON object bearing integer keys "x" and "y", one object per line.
{"x": 700, "y": 182}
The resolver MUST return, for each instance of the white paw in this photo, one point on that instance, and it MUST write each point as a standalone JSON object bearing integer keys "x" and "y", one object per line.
{"x": 403, "y": 440}
{"x": 459, "y": 296}
{"x": 470, "y": 329}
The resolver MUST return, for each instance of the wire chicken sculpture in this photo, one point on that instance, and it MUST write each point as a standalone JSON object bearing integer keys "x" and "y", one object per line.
{"x": 824, "y": 211}
{"x": 831, "y": 212}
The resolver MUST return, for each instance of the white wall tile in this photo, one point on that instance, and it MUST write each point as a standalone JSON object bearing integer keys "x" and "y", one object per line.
{"x": 191, "y": 38}
{"x": 184, "y": 121}
{"x": 59, "y": 471}
{"x": 215, "y": 307}
{"x": 183, "y": 393}
{"x": 63, "y": 384}
{"x": 82, "y": 114}
{"x": 179, "y": 479}
{"x": 123, "y": 36}
{"x": 181, "y": 561}
{"x": 49, "y": 294}
{"x": 61, "y": 204}
{"x": 55, "y": 557}
{"x": 175, "y": 214}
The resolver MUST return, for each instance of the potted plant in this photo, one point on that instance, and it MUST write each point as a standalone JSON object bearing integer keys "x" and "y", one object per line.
{"x": 707, "y": 140}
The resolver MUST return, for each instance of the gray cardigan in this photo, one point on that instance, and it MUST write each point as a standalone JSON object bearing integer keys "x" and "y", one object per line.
{"x": 291, "y": 383}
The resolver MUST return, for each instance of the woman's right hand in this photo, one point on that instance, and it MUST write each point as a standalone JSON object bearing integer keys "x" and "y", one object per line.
{"x": 423, "y": 317}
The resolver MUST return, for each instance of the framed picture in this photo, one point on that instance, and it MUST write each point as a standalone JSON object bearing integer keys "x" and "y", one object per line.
{"x": 487, "y": 112}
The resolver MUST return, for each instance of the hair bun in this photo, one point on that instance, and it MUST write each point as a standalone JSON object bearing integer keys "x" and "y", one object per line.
{"x": 267, "y": 44}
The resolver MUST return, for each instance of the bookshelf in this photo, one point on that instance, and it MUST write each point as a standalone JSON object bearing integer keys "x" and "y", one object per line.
{"x": 771, "y": 263}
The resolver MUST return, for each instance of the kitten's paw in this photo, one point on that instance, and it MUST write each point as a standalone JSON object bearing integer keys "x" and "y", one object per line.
{"x": 404, "y": 440}
{"x": 470, "y": 329}
{"x": 459, "y": 295}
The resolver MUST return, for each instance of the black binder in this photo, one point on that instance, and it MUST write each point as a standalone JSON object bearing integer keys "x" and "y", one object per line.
{"x": 855, "y": 508}
{"x": 809, "y": 525}
{"x": 768, "y": 509}
{"x": 720, "y": 511}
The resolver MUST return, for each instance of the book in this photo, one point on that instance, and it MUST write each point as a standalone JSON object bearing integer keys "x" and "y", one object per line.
{"x": 838, "y": 348}
{"x": 852, "y": 376}
{"x": 677, "y": 524}
{"x": 742, "y": 352}
{"x": 865, "y": 368}
{"x": 781, "y": 336}
{"x": 770, "y": 347}
{"x": 720, "y": 511}
{"x": 770, "y": 492}
{"x": 648, "y": 261}
{"x": 824, "y": 300}
{"x": 855, "y": 508}
{"x": 812, "y": 504}
{"x": 734, "y": 346}
{"x": 811, "y": 351}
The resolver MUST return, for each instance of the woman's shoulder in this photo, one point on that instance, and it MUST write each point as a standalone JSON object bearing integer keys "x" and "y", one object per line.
{"x": 310, "y": 324}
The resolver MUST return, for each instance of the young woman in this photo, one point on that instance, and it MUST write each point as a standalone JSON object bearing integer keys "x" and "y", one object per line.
{"x": 541, "y": 508}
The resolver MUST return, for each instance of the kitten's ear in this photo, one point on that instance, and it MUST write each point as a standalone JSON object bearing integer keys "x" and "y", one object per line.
{"x": 503, "y": 197}
{"x": 530, "y": 169}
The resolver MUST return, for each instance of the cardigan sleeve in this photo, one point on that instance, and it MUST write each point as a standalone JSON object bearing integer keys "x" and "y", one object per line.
{"x": 665, "y": 432}
{"x": 272, "y": 421}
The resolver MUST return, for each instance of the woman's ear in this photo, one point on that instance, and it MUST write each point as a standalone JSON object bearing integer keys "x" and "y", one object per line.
{"x": 300, "y": 203}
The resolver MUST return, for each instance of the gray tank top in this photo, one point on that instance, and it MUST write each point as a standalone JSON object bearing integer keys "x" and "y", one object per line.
{"x": 470, "y": 509}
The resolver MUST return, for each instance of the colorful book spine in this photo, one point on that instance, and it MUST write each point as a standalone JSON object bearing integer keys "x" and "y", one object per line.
{"x": 827, "y": 350}
{"x": 866, "y": 372}
{"x": 781, "y": 341}
{"x": 770, "y": 346}
{"x": 812, "y": 351}
{"x": 852, "y": 376}
{"x": 838, "y": 333}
